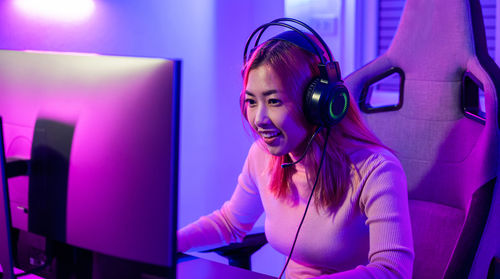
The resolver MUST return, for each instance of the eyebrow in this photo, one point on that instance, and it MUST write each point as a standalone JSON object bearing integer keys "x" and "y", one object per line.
{"x": 266, "y": 93}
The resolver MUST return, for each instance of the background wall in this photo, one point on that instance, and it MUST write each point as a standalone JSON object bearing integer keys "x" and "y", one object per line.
{"x": 208, "y": 36}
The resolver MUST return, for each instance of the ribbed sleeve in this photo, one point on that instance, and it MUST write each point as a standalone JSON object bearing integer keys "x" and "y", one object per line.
{"x": 383, "y": 200}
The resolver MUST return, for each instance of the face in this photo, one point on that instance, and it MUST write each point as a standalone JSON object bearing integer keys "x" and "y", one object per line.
{"x": 273, "y": 115}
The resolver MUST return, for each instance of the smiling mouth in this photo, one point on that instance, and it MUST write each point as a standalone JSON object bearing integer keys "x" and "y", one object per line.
{"x": 270, "y": 137}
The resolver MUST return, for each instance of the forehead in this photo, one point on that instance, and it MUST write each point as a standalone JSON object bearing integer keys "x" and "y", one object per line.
{"x": 263, "y": 78}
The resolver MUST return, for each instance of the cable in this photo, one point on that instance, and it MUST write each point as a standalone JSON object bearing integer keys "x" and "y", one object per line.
{"x": 285, "y": 165}
{"x": 308, "y": 203}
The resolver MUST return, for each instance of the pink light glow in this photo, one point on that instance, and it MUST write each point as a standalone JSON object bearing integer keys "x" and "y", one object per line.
{"x": 62, "y": 52}
{"x": 60, "y": 10}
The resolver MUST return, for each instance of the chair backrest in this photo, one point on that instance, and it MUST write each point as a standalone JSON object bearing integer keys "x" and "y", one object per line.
{"x": 450, "y": 159}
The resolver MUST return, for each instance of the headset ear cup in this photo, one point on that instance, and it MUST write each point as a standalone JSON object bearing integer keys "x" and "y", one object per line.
{"x": 337, "y": 104}
{"x": 311, "y": 103}
{"x": 325, "y": 104}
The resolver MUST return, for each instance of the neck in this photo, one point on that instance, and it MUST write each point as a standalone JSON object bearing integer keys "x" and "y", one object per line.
{"x": 301, "y": 151}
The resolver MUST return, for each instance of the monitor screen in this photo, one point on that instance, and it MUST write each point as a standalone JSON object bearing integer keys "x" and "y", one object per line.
{"x": 102, "y": 134}
{"x": 6, "y": 259}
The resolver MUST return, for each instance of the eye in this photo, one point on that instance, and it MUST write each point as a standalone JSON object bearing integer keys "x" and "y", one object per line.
{"x": 274, "y": 102}
{"x": 250, "y": 102}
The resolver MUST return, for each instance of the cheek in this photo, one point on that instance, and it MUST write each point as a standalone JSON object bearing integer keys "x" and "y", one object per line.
{"x": 284, "y": 121}
{"x": 292, "y": 120}
{"x": 250, "y": 115}
{"x": 300, "y": 120}
{"x": 296, "y": 129}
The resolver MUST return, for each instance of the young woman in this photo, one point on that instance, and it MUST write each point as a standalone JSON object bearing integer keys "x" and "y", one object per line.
{"x": 357, "y": 224}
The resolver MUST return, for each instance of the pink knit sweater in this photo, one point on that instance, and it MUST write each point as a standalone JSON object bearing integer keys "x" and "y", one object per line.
{"x": 368, "y": 237}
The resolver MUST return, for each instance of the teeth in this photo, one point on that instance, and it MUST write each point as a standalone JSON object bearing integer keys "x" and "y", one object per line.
{"x": 269, "y": 134}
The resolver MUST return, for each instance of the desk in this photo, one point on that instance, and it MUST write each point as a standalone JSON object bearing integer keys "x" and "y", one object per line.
{"x": 196, "y": 268}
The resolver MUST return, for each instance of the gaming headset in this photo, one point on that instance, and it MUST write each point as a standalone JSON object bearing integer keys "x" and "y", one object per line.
{"x": 326, "y": 99}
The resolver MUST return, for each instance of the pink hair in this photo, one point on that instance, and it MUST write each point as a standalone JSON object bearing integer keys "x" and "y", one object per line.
{"x": 296, "y": 68}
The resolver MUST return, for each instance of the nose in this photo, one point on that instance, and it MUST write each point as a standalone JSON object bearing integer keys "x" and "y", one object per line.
{"x": 261, "y": 116}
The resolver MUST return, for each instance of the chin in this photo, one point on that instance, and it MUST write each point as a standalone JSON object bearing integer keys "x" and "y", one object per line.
{"x": 276, "y": 151}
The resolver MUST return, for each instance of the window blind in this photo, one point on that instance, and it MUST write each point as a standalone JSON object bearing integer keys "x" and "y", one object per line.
{"x": 390, "y": 12}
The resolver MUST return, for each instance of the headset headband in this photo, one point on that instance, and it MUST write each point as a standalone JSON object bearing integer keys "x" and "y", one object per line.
{"x": 326, "y": 99}
{"x": 279, "y": 22}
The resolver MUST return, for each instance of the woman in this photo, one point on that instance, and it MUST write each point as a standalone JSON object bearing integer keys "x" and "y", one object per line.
{"x": 357, "y": 225}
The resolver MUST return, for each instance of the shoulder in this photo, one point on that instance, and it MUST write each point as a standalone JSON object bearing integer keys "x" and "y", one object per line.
{"x": 376, "y": 171}
{"x": 255, "y": 168}
{"x": 258, "y": 158}
{"x": 258, "y": 152}
{"x": 372, "y": 158}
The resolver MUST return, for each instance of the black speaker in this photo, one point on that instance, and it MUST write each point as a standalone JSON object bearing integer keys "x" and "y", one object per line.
{"x": 326, "y": 99}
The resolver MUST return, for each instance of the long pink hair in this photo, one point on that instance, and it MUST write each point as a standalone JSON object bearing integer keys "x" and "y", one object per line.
{"x": 295, "y": 68}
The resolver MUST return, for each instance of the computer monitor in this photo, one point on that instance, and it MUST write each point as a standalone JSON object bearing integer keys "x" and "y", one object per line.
{"x": 6, "y": 259}
{"x": 102, "y": 134}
